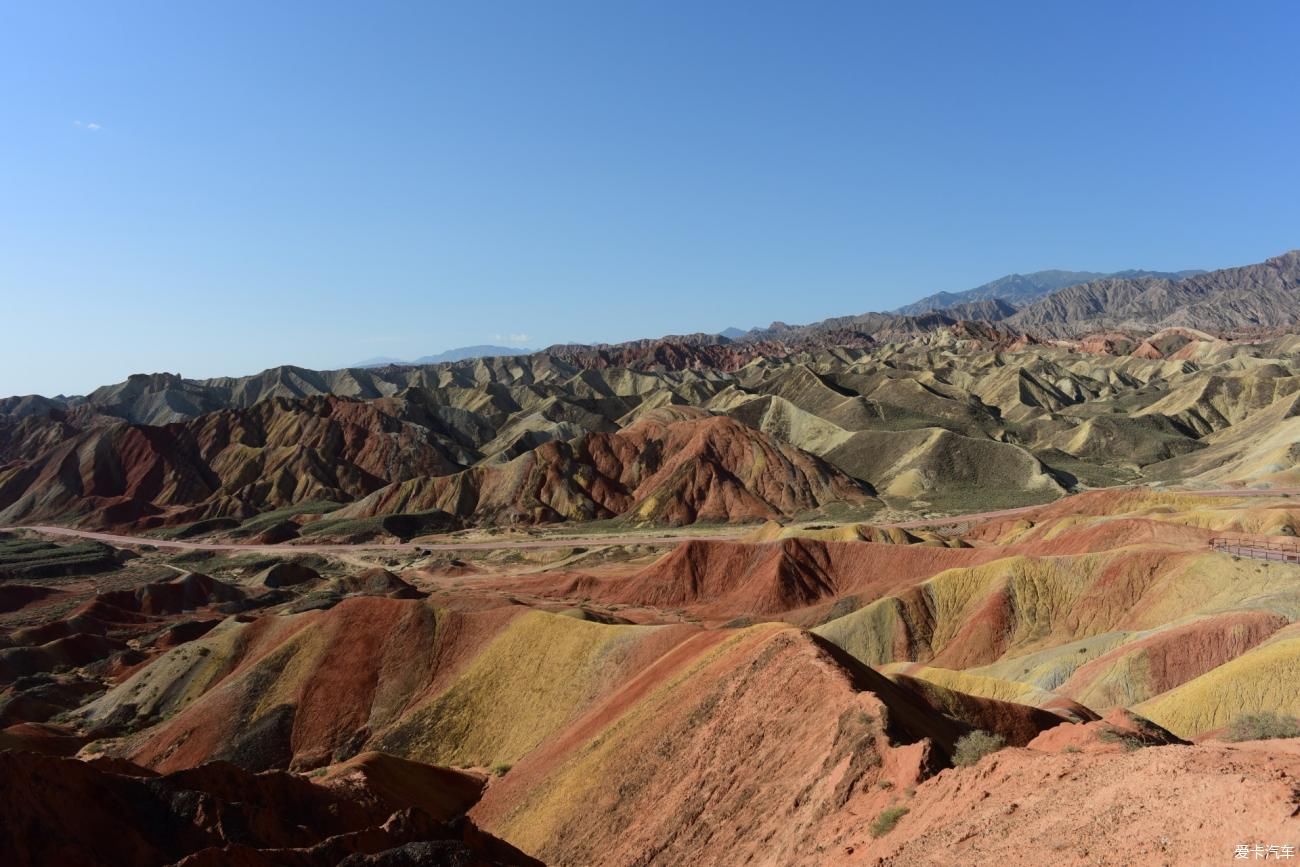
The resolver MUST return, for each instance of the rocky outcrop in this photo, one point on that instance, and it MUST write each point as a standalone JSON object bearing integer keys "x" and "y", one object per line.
{"x": 220, "y": 814}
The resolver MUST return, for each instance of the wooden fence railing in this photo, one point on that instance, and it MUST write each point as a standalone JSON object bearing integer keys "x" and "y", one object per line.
{"x": 1258, "y": 548}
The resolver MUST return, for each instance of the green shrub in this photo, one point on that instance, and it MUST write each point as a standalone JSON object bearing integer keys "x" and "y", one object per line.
{"x": 501, "y": 770}
{"x": 886, "y": 821}
{"x": 975, "y": 746}
{"x": 1143, "y": 734}
{"x": 1130, "y": 741}
{"x": 1263, "y": 727}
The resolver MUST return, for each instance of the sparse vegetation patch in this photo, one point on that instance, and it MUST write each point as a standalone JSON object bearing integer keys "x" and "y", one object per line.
{"x": 885, "y": 822}
{"x": 1264, "y": 727}
{"x": 975, "y": 746}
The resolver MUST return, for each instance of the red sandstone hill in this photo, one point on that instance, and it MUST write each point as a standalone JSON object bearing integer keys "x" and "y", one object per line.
{"x": 670, "y": 740}
{"x": 678, "y": 468}
{"x": 227, "y": 463}
{"x": 665, "y": 468}
{"x": 727, "y": 579}
{"x": 1153, "y": 805}
{"x": 935, "y": 415}
{"x": 770, "y": 727}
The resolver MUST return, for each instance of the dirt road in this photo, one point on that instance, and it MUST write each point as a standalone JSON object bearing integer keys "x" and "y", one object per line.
{"x": 962, "y": 519}
{"x": 661, "y": 540}
{"x": 666, "y": 539}
{"x": 1020, "y": 510}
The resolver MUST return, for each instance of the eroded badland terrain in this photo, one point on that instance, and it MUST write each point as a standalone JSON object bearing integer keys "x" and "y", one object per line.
{"x": 985, "y": 584}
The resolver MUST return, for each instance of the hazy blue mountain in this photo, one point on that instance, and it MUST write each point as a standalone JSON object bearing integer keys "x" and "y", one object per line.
{"x": 378, "y": 361}
{"x": 1021, "y": 289}
{"x": 460, "y": 353}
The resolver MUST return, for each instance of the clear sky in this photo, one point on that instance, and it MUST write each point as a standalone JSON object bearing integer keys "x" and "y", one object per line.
{"x": 216, "y": 188}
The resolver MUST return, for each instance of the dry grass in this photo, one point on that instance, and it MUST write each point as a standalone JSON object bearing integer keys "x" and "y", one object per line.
{"x": 1263, "y": 727}
{"x": 975, "y": 746}
{"x": 885, "y": 822}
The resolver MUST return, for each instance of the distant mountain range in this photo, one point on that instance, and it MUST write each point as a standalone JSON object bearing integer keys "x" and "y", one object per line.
{"x": 1260, "y": 296}
{"x": 1021, "y": 289}
{"x": 460, "y": 353}
{"x": 1266, "y": 295}
{"x": 990, "y": 302}
{"x": 692, "y": 427}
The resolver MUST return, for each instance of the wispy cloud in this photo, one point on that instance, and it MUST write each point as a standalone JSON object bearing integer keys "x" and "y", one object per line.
{"x": 89, "y": 126}
{"x": 512, "y": 339}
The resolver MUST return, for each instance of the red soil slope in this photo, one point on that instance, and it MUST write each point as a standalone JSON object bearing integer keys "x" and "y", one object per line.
{"x": 1159, "y": 805}
{"x": 732, "y": 578}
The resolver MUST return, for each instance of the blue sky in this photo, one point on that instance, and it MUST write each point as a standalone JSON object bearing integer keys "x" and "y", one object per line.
{"x": 213, "y": 189}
